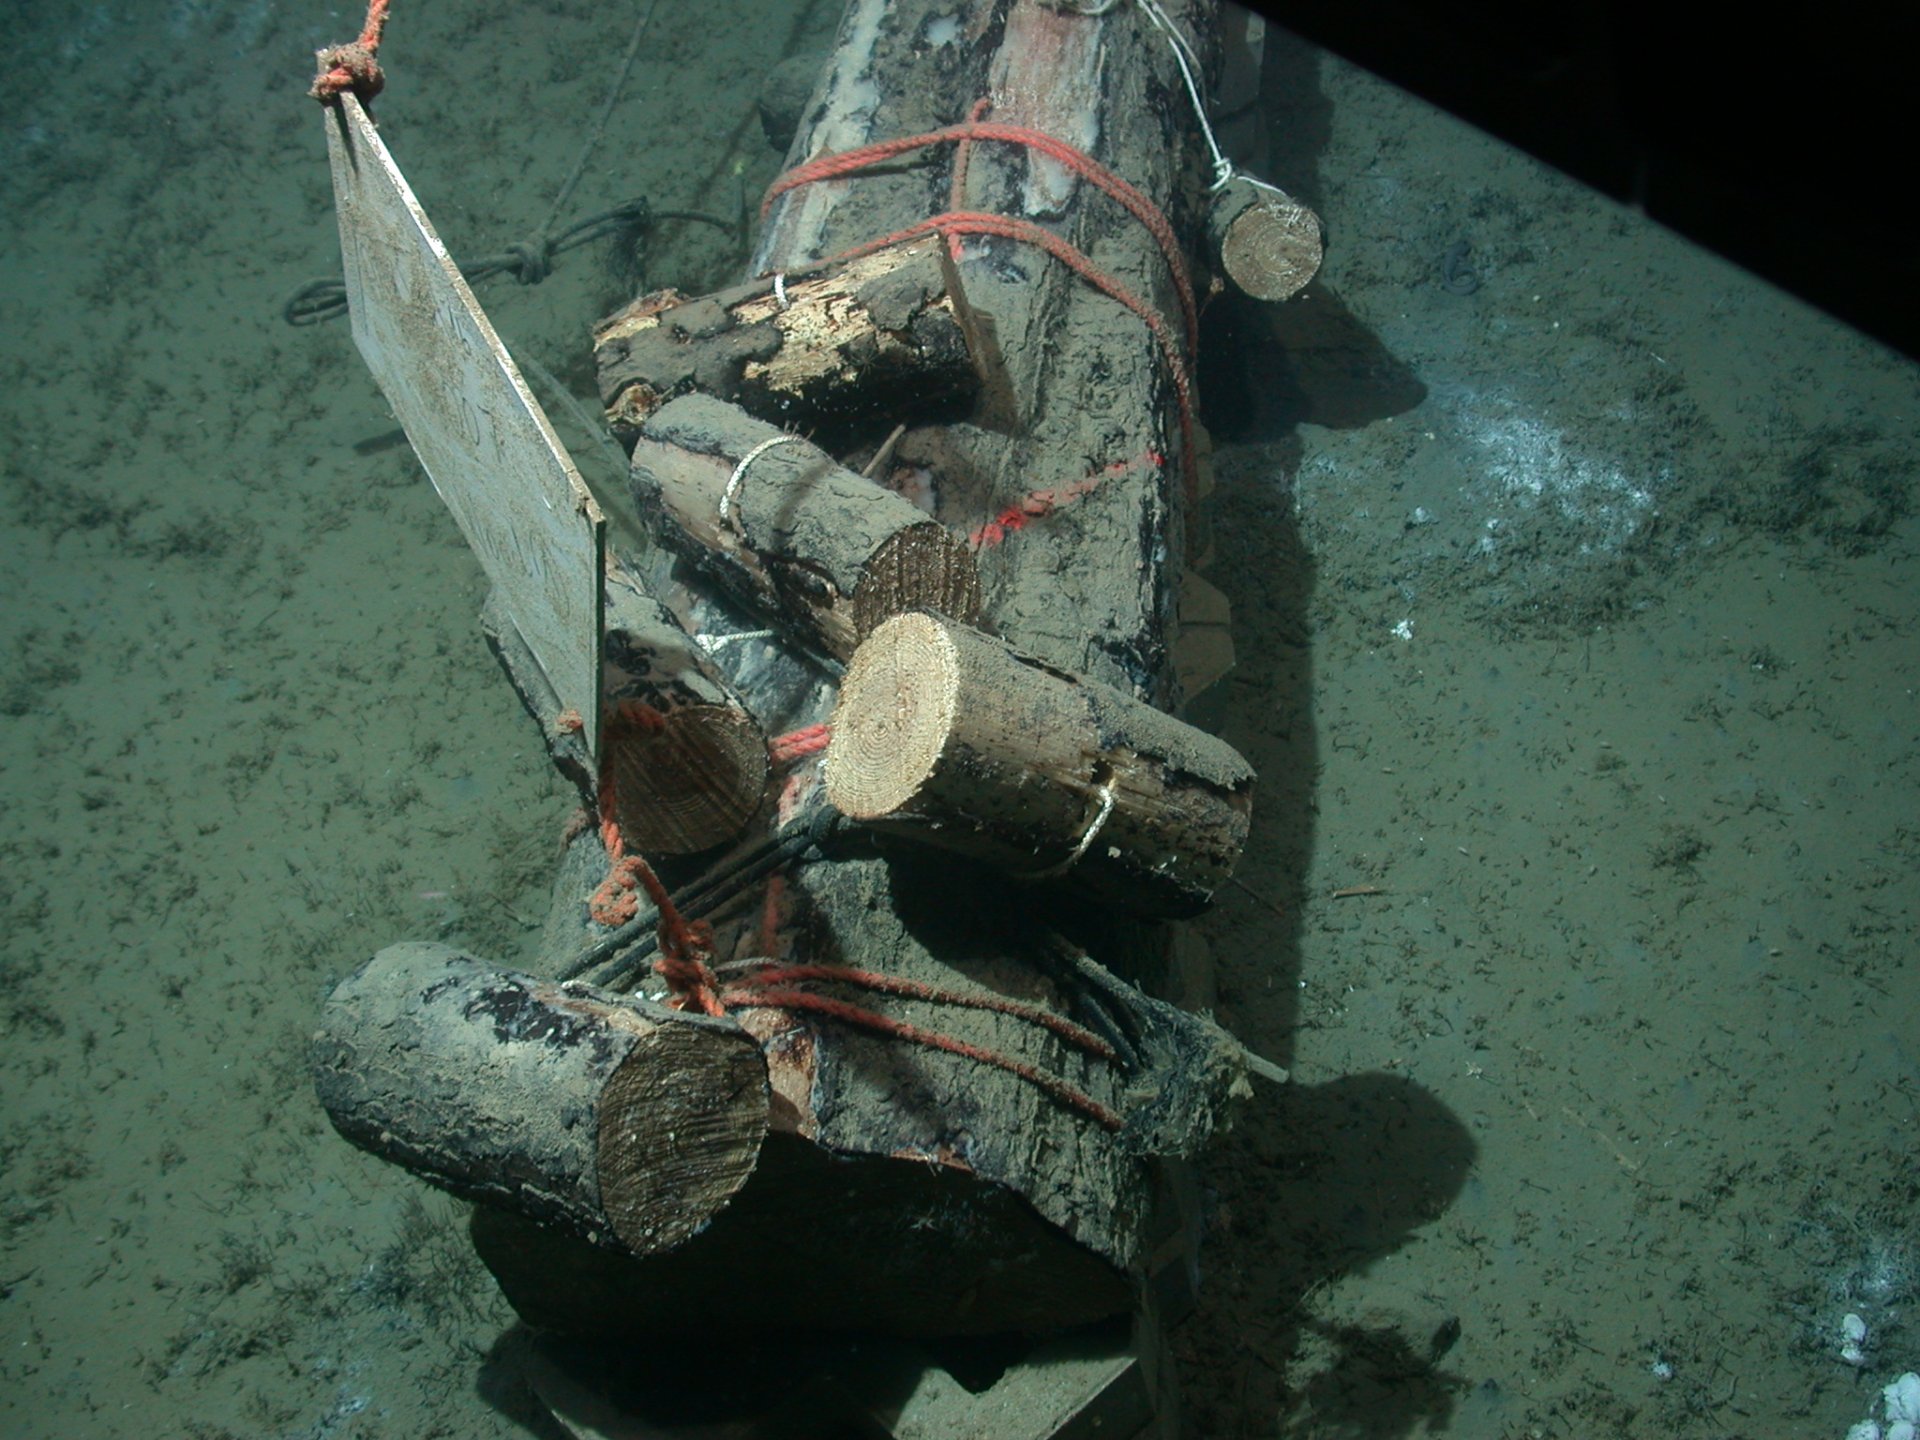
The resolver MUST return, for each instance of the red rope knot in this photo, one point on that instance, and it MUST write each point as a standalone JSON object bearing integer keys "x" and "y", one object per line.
{"x": 352, "y": 66}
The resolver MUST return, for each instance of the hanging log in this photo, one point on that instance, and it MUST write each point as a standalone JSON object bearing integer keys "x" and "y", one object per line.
{"x": 953, "y": 738}
{"x": 1266, "y": 241}
{"x": 779, "y": 524}
{"x": 620, "y": 1121}
{"x": 821, "y": 351}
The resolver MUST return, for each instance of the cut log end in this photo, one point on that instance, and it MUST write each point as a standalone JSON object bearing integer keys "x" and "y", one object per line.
{"x": 895, "y": 715}
{"x": 918, "y": 567}
{"x": 1269, "y": 243}
{"x": 685, "y": 780}
{"x": 680, "y": 1127}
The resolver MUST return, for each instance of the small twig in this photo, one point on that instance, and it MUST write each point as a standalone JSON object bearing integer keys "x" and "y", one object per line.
{"x": 1352, "y": 890}
{"x": 1274, "y": 905}
{"x": 1263, "y": 1067}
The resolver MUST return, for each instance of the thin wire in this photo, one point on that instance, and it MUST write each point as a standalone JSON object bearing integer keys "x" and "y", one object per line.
{"x": 600, "y": 125}
{"x": 1185, "y": 57}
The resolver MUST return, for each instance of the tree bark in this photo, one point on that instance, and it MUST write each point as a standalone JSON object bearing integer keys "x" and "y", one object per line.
{"x": 623, "y": 1122}
{"x": 779, "y": 524}
{"x": 952, "y": 738}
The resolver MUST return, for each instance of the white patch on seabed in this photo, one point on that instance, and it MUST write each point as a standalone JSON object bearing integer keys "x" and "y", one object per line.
{"x": 1520, "y": 463}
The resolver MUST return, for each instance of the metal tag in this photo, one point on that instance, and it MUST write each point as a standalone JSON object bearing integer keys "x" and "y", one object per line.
{"x": 476, "y": 427}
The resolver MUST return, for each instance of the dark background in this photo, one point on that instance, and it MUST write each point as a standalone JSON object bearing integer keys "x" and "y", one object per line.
{"x": 1785, "y": 142}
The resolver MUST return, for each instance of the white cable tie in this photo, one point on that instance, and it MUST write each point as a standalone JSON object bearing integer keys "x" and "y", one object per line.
{"x": 731, "y": 493}
{"x": 1085, "y": 843}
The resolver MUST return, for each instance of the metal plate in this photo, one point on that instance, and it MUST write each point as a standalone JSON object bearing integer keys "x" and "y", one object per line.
{"x": 475, "y": 426}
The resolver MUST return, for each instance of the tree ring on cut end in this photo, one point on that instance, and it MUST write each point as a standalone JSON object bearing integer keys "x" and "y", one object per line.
{"x": 894, "y": 717}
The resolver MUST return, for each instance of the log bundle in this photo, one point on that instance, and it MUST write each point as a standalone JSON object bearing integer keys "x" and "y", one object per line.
{"x": 924, "y": 1086}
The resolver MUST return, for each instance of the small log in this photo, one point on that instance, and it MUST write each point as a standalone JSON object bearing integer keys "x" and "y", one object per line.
{"x": 683, "y": 763}
{"x": 872, "y": 337}
{"x": 1267, "y": 242}
{"x": 814, "y": 547}
{"x": 949, "y": 736}
{"x": 622, "y": 1122}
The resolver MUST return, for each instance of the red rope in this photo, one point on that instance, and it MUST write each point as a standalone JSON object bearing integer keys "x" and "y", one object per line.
{"x": 1076, "y": 1035}
{"x": 798, "y": 744}
{"x": 352, "y": 66}
{"x": 685, "y": 963}
{"x": 749, "y": 997}
{"x": 1044, "y": 501}
{"x": 956, "y": 222}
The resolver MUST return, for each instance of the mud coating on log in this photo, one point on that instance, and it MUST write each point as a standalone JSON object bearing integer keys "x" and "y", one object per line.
{"x": 953, "y": 738}
{"x": 814, "y": 547}
{"x": 624, "y": 1122}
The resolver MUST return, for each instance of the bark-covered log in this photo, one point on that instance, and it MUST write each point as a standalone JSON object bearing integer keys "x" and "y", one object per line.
{"x": 821, "y": 352}
{"x": 683, "y": 764}
{"x": 951, "y": 737}
{"x": 623, "y": 1122}
{"x": 1092, "y": 585}
{"x": 812, "y": 546}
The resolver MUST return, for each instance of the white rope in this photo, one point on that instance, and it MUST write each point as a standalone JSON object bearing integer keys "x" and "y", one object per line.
{"x": 1189, "y": 62}
{"x": 713, "y": 644}
{"x": 731, "y": 493}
